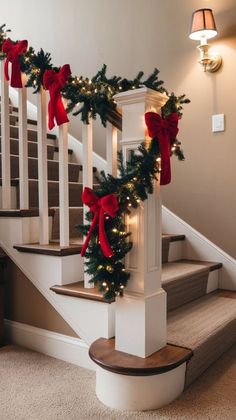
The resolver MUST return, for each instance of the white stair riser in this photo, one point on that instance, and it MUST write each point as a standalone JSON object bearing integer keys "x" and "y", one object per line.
{"x": 213, "y": 280}
{"x": 175, "y": 251}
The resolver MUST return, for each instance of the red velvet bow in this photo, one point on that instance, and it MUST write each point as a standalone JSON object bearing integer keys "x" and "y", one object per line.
{"x": 13, "y": 52}
{"x": 107, "y": 204}
{"x": 165, "y": 130}
{"x": 54, "y": 82}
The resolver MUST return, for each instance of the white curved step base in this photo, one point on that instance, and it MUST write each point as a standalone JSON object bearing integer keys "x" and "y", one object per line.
{"x": 139, "y": 393}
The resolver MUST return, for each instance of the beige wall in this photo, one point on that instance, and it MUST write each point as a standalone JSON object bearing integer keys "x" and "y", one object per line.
{"x": 129, "y": 35}
{"x": 24, "y": 303}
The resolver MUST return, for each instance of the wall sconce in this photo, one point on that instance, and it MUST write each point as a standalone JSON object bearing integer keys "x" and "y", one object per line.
{"x": 203, "y": 28}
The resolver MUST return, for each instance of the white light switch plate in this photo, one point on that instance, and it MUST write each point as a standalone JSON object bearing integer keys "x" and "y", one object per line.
{"x": 218, "y": 122}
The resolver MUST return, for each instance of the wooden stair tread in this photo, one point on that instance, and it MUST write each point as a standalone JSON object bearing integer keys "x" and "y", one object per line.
{"x": 29, "y": 120}
{"x": 173, "y": 237}
{"x": 53, "y": 249}
{"x": 15, "y": 182}
{"x": 78, "y": 290}
{"x": 23, "y": 212}
{"x": 33, "y": 148}
{"x": 48, "y": 160}
{"x": 70, "y": 151}
{"x": 182, "y": 268}
{"x": 103, "y": 353}
{"x": 29, "y": 130}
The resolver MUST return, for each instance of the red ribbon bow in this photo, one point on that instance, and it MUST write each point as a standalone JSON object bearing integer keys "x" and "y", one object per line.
{"x": 99, "y": 206}
{"x": 54, "y": 82}
{"x": 165, "y": 130}
{"x": 13, "y": 52}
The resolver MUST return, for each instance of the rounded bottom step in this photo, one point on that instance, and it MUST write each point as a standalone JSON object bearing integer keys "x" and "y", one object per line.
{"x": 139, "y": 393}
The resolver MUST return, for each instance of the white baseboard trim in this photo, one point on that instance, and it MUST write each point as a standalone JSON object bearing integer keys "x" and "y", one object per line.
{"x": 70, "y": 349}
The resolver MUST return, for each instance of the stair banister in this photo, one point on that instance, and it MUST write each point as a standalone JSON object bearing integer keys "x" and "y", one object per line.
{"x": 42, "y": 168}
{"x": 63, "y": 185}
{"x": 87, "y": 139}
{"x": 5, "y": 140}
{"x": 111, "y": 149}
{"x": 23, "y": 145}
{"x": 141, "y": 312}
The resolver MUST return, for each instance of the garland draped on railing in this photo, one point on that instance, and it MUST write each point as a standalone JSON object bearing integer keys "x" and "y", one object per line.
{"x": 88, "y": 97}
{"x": 107, "y": 241}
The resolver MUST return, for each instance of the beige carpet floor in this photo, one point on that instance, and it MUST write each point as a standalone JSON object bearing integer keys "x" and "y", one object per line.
{"x": 37, "y": 387}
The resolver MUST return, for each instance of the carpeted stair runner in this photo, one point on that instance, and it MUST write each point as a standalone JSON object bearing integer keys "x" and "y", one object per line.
{"x": 183, "y": 282}
{"x": 207, "y": 326}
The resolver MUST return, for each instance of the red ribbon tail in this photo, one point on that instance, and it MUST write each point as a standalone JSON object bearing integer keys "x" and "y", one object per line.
{"x": 50, "y": 117}
{"x": 165, "y": 169}
{"x": 51, "y": 111}
{"x": 60, "y": 112}
{"x": 6, "y": 72}
{"x": 106, "y": 249}
{"x": 85, "y": 245}
{"x": 16, "y": 81}
{"x": 165, "y": 159}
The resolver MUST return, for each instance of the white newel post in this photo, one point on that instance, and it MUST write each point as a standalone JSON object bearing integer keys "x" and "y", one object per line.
{"x": 42, "y": 168}
{"x": 63, "y": 185}
{"x": 111, "y": 149}
{"x": 5, "y": 139}
{"x": 23, "y": 145}
{"x": 87, "y": 138}
{"x": 141, "y": 313}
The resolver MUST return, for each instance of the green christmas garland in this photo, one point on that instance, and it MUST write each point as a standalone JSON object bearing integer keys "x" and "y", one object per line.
{"x": 131, "y": 187}
{"x": 89, "y": 98}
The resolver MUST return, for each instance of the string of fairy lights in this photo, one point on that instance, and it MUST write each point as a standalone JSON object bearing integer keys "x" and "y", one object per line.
{"x": 87, "y": 98}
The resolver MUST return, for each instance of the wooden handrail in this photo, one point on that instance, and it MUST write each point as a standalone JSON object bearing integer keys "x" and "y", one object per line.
{"x": 115, "y": 118}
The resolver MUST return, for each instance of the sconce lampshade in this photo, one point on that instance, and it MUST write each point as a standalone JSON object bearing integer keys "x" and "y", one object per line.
{"x": 203, "y": 25}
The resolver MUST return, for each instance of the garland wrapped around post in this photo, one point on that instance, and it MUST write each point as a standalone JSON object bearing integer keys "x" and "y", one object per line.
{"x": 131, "y": 187}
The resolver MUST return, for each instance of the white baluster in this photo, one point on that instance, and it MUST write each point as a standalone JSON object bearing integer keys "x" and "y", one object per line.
{"x": 111, "y": 149}
{"x": 23, "y": 146}
{"x": 42, "y": 169}
{"x": 87, "y": 137}
{"x": 5, "y": 139}
{"x": 63, "y": 185}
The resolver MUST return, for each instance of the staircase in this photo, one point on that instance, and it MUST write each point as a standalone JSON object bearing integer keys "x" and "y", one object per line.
{"x": 201, "y": 317}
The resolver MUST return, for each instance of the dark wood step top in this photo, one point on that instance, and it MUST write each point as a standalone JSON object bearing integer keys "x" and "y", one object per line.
{"x": 15, "y": 128}
{"x": 56, "y": 149}
{"x": 53, "y": 249}
{"x": 34, "y": 212}
{"x": 29, "y": 121}
{"x": 173, "y": 237}
{"x": 78, "y": 290}
{"x": 103, "y": 353}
